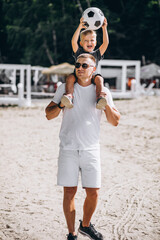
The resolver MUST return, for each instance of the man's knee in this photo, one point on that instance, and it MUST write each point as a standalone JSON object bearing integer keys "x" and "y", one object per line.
{"x": 92, "y": 193}
{"x": 69, "y": 192}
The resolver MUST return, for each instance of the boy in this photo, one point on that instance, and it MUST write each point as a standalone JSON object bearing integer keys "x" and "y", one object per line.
{"x": 88, "y": 43}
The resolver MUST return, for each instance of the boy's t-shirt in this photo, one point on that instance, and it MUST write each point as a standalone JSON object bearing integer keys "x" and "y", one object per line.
{"x": 95, "y": 54}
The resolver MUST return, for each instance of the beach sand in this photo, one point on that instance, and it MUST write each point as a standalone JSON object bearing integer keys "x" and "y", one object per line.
{"x": 129, "y": 200}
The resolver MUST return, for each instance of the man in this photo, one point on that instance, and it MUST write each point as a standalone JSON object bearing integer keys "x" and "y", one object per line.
{"x": 79, "y": 145}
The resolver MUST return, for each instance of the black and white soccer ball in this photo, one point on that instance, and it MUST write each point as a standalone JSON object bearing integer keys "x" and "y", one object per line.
{"x": 93, "y": 18}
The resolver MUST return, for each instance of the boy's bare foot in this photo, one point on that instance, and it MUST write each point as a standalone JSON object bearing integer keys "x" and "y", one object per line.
{"x": 67, "y": 101}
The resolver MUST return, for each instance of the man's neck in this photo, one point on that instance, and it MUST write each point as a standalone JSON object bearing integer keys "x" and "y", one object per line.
{"x": 84, "y": 82}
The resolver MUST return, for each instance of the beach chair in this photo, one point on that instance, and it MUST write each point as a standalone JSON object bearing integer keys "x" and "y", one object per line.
{"x": 149, "y": 89}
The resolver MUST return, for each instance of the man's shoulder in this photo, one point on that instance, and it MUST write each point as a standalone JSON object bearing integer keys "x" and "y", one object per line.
{"x": 61, "y": 87}
{"x": 107, "y": 91}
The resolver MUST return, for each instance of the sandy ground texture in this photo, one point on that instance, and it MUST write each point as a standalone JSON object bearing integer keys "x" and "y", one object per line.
{"x": 129, "y": 201}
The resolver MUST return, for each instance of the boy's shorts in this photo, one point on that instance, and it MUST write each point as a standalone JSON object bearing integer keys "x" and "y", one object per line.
{"x": 87, "y": 162}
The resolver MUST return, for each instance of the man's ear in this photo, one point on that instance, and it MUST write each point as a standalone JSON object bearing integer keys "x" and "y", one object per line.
{"x": 94, "y": 69}
{"x": 80, "y": 43}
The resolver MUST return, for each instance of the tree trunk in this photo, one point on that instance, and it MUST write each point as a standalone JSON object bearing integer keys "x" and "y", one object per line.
{"x": 63, "y": 8}
{"x": 48, "y": 52}
{"x": 55, "y": 44}
{"x": 79, "y": 6}
{"x": 88, "y": 3}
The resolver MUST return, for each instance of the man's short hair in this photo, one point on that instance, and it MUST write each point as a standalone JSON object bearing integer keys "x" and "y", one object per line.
{"x": 86, "y": 32}
{"x": 87, "y": 55}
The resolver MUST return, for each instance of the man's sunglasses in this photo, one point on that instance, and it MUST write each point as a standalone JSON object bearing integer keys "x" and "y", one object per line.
{"x": 84, "y": 65}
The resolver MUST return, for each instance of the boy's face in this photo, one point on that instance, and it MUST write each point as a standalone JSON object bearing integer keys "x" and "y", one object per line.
{"x": 88, "y": 42}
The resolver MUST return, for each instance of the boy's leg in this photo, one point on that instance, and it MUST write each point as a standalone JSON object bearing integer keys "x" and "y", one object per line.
{"x": 98, "y": 80}
{"x": 100, "y": 94}
{"x": 67, "y": 99}
{"x": 70, "y": 84}
{"x": 69, "y": 208}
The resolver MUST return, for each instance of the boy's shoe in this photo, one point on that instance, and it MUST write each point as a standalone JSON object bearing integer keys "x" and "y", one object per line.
{"x": 67, "y": 101}
{"x": 71, "y": 237}
{"x": 101, "y": 103}
{"x": 90, "y": 232}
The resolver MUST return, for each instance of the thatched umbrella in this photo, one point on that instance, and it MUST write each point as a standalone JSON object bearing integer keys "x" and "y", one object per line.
{"x": 63, "y": 69}
{"x": 150, "y": 71}
{"x": 147, "y": 72}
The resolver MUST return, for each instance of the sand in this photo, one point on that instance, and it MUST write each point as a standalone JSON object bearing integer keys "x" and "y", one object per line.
{"x": 129, "y": 201}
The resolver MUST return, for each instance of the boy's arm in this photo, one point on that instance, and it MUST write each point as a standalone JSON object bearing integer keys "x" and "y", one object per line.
{"x": 105, "y": 43}
{"x": 52, "y": 110}
{"x": 76, "y": 36}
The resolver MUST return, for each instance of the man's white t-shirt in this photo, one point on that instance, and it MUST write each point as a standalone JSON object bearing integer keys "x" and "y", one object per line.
{"x": 80, "y": 127}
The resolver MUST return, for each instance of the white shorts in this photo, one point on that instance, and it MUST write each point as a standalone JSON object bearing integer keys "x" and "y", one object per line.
{"x": 87, "y": 162}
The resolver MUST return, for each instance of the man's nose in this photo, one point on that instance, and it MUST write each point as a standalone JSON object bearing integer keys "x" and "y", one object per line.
{"x": 80, "y": 67}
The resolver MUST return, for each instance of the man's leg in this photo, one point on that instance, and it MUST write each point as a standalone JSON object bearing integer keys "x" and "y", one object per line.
{"x": 86, "y": 228}
{"x": 89, "y": 205}
{"x": 91, "y": 181}
{"x": 69, "y": 207}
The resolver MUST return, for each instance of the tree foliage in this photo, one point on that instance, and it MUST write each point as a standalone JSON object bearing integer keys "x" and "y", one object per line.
{"x": 39, "y": 32}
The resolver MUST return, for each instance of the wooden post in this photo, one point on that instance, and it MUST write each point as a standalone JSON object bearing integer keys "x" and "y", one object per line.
{"x": 137, "y": 74}
{"x": 28, "y": 88}
{"x": 123, "y": 83}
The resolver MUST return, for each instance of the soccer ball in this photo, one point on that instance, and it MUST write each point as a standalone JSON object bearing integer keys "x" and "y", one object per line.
{"x": 93, "y": 18}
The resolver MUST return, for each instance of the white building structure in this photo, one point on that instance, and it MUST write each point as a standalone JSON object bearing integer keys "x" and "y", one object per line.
{"x": 121, "y": 76}
{"x": 108, "y": 68}
{"x": 23, "y": 96}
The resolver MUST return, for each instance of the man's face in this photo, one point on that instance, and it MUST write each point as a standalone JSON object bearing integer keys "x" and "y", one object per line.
{"x": 85, "y": 69}
{"x": 88, "y": 42}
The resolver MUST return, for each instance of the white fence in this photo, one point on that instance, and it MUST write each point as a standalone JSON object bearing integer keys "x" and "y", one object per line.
{"x": 23, "y": 96}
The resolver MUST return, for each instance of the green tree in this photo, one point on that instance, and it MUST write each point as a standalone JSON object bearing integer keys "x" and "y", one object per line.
{"x": 39, "y": 32}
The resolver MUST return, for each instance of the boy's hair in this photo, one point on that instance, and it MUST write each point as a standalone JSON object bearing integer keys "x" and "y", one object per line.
{"x": 86, "y": 32}
{"x": 86, "y": 55}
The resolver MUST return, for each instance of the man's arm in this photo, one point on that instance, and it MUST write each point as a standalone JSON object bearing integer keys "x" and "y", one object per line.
{"x": 52, "y": 110}
{"x": 105, "y": 43}
{"x": 112, "y": 115}
{"x": 76, "y": 36}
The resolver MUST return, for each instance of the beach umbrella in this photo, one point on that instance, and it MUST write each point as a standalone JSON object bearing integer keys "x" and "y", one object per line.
{"x": 149, "y": 71}
{"x": 146, "y": 72}
{"x": 61, "y": 69}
